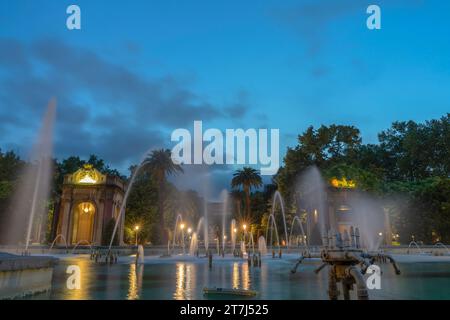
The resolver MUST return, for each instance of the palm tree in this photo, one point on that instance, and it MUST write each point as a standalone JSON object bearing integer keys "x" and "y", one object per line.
{"x": 247, "y": 178}
{"x": 160, "y": 165}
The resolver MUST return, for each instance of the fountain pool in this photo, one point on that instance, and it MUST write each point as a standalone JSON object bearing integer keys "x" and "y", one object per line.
{"x": 185, "y": 277}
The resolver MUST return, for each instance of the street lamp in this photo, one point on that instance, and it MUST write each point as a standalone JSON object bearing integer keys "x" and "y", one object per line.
{"x": 244, "y": 226}
{"x": 380, "y": 234}
{"x": 136, "y": 229}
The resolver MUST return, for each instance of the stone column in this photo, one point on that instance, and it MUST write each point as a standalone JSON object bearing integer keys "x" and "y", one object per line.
{"x": 65, "y": 220}
{"x": 100, "y": 221}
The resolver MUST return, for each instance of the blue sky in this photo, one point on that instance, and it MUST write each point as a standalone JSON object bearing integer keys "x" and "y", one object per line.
{"x": 139, "y": 69}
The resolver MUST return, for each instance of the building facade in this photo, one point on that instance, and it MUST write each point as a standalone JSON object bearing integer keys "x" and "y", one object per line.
{"x": 89, "y": 206}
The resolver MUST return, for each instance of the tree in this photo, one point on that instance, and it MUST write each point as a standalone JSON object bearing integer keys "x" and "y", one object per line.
{"x": 160, "y": 165}
{"x": 434, "y": 198}
{"x": 187, "y": 203}
{"x": 108, "y": 232}
{"x": 415, "y": 151}
{"x": 246, "y": 178}
{"x": 322, "y": 147}
{"x": 141, "y": 209}
{"x": 10, "y": 168}
{"x": 420, "y": 209}
{"x": 100, "y": 165}
{"x": 364, "y": 179}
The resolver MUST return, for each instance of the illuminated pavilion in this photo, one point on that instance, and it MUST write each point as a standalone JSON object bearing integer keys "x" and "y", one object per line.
{"x": 88, "y": 202}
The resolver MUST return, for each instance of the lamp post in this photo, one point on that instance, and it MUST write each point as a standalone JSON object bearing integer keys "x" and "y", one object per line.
{"x": 233, "y": 239}
{"x": 380, "y": 234}
{"x": 136, "y": 229}
{"x": 244, "y": 226}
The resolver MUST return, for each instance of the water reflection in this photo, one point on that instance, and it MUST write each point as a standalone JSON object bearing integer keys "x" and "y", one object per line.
{"x": 185, "y": 281}
{"x": 135, "y": 277}
{"x": 240, "y": 276}
{"x": 245, "y": 276}
{"x": 235, "y": 276}
{"x": 264, "y": 278}
{"x": 87, "y": 280}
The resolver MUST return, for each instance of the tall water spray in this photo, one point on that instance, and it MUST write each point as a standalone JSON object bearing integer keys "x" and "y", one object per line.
{"x": 272, "y": 225}
{"x": 205, "y": 225}
{"x": 140, "y": 255}
{"x": 224, "y": 197}
{"x": 277, "y": 198}
{"x": 251, "y": 242}
{"x": 233, "y": 232}
{"x": 29, "y": 207}
{"x": 243, "y": 248}
{"x": 299, "y": 222}
{"x": 193, "y": 247}
{"x": 201, "y": 225}
{"x": 178, "y": 219}
{"x": 262, "y": 246}
{"x": 368, "y": 215}
{"x": 311, "y": 190}
{"x": 125, "y": 198}
{"x": 360, "y": 210}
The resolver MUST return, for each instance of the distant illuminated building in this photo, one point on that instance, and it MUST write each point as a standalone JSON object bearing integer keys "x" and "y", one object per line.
{"x": 88, "y": 202}
{"x": 339, "y": 206}
{"x": 343, "y": 183}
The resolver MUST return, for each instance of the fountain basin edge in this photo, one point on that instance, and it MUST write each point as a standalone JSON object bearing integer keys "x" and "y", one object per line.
{"x": 22, "y": 276}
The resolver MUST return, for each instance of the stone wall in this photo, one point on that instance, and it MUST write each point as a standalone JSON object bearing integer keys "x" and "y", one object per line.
{"x": 21, "y": 276}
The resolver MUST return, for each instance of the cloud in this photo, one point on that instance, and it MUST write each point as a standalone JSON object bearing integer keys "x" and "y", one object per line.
{"x": 161, "y": 99}
{"x": 103, "y": 108}
{"x": 320, "y": 71}
{"x": 209, "y": 180}
{"x": 239, "y": 107}
{"x": 311, "y": 19}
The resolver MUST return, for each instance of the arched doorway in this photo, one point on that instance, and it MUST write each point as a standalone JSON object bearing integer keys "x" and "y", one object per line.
{"x": 83, "y": 222}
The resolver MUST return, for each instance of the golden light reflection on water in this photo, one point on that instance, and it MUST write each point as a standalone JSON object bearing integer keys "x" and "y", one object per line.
{"x": 185, "y": 281}
{"x": 135, "y": 281}
{"x": 245, "y": 276}
{"x": 240, "y": 276}
{"x": 86, "y": 281}
{"x": 235, "y": 276}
